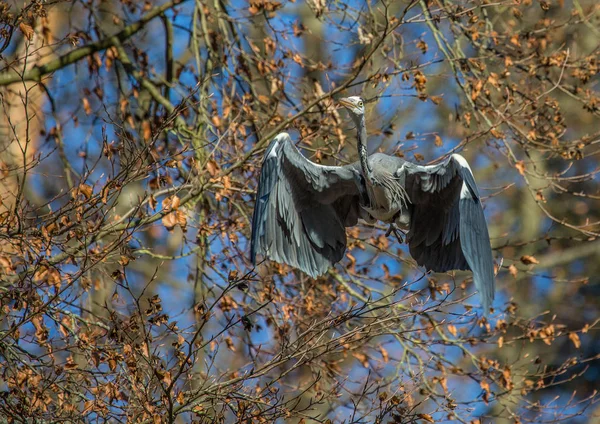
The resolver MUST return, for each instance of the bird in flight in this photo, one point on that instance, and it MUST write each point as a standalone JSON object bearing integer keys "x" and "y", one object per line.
{"x": 302, "y": 208}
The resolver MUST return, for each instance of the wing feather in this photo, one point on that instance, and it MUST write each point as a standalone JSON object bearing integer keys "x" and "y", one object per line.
{"x": 302, "y": 209}
{"x": 447, "y": 228}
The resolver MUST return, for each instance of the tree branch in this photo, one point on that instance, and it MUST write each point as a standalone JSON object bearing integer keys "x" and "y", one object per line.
{"x": 36, "y": 73}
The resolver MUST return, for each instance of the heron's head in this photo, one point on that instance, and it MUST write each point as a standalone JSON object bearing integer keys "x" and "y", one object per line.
{"x": 355, "y": 106}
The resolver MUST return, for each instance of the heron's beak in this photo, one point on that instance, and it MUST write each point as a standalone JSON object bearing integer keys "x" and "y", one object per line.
{"x": 345, "y": 103}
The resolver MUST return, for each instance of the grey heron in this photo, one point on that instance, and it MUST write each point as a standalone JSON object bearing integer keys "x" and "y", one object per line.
{"x": 302, "y": 208}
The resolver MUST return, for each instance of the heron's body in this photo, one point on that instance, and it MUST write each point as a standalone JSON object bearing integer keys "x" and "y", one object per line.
{"x": 302, "y": 209}
{"x": 388, "y": 200}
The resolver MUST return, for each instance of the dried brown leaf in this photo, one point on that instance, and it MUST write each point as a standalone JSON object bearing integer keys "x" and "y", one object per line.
{"x": 86, "y": 190}
{"x": 146, "y": 130}
{"x": 212, "y": 167}
{"x": 452, "y": 329}
{"x": 175, "y": 201}
{"x": 230, "y": 344}
{"x": 169, "y": 221}
{"x": 436, "y": 99}
{"x": 539, "y": 196}
{"x": 362, "y": 358}
{"x": 529, "y": 260}
{"x": 384, "y": 354}
{"x": 426, "y": 417}
{"x": 86, "y": 106}
{"x": 575, "y": 339}
{"x": 27, "y": 30}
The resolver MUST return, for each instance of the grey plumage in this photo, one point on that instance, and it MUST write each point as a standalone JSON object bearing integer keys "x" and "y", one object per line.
{"x": 447, "y": 226}
{"x": 302, "y": 209}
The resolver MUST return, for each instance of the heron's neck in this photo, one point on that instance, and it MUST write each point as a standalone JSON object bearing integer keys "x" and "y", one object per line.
{"x": 362, "y": 147}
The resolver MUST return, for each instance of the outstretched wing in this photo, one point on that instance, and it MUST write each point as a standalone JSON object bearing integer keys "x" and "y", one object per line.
{"x": 302, "y": 209}
{"x": 447, "y": 227}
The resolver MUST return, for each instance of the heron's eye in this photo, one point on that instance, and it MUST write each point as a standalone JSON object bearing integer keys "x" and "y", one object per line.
{"x": 360, "y": 104}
